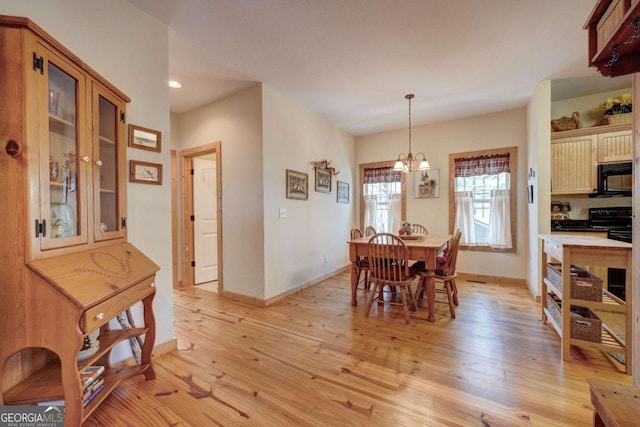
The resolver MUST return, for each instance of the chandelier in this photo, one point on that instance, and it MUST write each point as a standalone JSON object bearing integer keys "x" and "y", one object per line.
{"x": 405, "y": 161}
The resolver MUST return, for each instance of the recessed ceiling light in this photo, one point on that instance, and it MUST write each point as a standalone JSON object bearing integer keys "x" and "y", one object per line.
{"x": 174, "y": 84}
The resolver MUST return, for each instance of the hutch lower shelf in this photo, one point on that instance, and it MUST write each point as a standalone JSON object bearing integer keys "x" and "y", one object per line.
{"x": 70, "y": 296}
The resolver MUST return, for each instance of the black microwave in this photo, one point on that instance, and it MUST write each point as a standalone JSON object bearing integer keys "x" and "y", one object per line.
{"x": 615, "y": 179}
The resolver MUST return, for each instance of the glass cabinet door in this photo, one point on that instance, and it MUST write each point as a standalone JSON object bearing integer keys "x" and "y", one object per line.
{"x": 63, "y": 188}
{"x": 109, "y": 171}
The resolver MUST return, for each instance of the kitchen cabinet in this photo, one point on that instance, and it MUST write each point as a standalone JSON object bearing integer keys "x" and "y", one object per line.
{"x": 589, "y": 253}
{"x": 615, "y": 146}
{"x": 67, "y": 268}
{"x": 575, "y": 155}
{"x": 573, "y": 165}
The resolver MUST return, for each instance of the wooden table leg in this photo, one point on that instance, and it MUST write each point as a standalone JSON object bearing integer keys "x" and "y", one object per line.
{"x": 431, "y": 296}
{"x": 354, "y": 283}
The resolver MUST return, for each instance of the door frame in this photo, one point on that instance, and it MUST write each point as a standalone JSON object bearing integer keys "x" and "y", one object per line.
{"x": 186, "y": 162}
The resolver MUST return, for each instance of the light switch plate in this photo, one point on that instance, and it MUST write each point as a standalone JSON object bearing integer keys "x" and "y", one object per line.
{"x": 283, "y": 212}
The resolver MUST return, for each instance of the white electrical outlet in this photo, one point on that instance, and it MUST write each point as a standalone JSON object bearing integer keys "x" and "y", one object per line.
{"x": 326, "y": 259}
{"x": 283, "y": 212}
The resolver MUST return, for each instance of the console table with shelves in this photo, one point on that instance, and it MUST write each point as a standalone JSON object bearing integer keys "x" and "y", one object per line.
{"x": 590, "y": 253}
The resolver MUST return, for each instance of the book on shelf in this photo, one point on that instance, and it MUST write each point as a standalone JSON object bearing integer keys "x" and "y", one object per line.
{"x": 56, "y": 402}
{"x": 90, "y": 376}
{"x": 92, "y": 380}
{"x": 91, "y": 393}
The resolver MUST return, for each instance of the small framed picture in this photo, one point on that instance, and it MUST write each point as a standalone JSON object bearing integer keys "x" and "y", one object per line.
{"x": 145, "y": 139}
{"x": 343, "y": 192}
{"x": 297, "y": 185}
{"x": 427, "y": 184}
{"x": 145, "y": 173}
{"x": 323, "y": 180}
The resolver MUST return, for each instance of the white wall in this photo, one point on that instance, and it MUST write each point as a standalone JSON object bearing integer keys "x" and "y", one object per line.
{"x": 262, "y": 134}
{"x": 587, "y": 106}
{"x": 437, "y": 141}
{"x": 235, "y": 121}
{"x": 539, "y": 153}
{"x": 130, "y": 49}
{"x": 295, "y": 246}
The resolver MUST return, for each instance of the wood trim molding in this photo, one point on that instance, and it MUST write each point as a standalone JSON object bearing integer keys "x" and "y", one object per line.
{"x": 174, "y": 217}
{"x": 187, "y": 156}
{"x": 403, "y": 187}
{"x": 262, "y": 303}
{"x": 483, "y": 278}
{"x": 513, "y": 199}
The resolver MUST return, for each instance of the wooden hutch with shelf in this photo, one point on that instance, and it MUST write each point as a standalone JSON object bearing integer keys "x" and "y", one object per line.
{"x": 67, "y": 268}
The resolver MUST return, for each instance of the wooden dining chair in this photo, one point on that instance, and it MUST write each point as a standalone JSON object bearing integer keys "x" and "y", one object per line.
{"x": 369, "y": 231}
{"x": 362, "y": 263}
{"x": 419, "y": 229}
{"x": 445, "y": 273}
{"x": 389, "y": 265}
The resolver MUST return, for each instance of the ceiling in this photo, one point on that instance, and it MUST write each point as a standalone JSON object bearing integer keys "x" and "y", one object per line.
{"x": 352, "y": 61}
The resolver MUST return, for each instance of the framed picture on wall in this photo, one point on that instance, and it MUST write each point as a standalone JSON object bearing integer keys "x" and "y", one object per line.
{"x": 144, "y": 138}
{"x": 297, "y": 185}
{"x": 343, "y": 192}
{"x": 145, "y": 173}
{"x": 427, "y": 184}
{"x": 323, "y": 180}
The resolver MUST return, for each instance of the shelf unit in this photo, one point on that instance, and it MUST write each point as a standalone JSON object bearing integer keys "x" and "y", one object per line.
{"x": 588, "y": 252}
{"x": 614, "y": 37}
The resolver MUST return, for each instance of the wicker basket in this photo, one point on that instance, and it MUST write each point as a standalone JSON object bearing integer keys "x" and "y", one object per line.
{"x": 618, "y": 119}
{"x": 584, "y": 285}
{"x": 583, "y": 323}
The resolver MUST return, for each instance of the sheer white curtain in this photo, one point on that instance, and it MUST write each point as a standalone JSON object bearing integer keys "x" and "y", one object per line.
{"x": 370, "y": 210}
{"x": 499, "y": 232}
{"x": 395, "y": 213}
{"x": 464, "y": 218}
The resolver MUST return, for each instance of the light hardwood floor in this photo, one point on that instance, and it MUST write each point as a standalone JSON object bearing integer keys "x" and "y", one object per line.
{"x": 313, "y": 360}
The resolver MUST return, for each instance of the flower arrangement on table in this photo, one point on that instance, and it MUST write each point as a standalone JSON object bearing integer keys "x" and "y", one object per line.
{"x": 614, "y": 107}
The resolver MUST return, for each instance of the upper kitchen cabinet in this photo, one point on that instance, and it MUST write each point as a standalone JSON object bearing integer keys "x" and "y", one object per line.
{"x": 615, "y": 147}
{"x": 67, "y": 134}
{"x": 573, "y": 164}
{"x": 614, "y": 37}
{"x": 576, "y": 154}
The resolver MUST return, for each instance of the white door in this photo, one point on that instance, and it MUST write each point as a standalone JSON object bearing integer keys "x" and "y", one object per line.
{"x": 205, "y": 227}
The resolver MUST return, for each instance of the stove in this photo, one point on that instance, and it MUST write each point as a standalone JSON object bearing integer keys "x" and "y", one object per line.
{"x": 621, "y": 234}
{"x": 616, "y": 221}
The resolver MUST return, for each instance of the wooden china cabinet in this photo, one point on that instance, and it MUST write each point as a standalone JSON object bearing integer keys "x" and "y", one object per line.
{"x": 67, "y": 268}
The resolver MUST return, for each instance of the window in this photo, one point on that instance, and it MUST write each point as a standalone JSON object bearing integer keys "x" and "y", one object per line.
{"x": 383, "y": 197}
{"x": 483, "y": 195}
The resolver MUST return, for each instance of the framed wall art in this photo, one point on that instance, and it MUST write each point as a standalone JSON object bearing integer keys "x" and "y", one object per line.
{"x": 342, "y": 192}
{"x": 323, "y": 180}
{"x": 145, "y": 139}
{"x": 297, "y": 185}
{"x": 427, "y": 184}
{"x": 145, "y": 173}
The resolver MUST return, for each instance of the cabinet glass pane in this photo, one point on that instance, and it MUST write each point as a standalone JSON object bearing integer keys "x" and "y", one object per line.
{"x": 109, "y": 166}
{"x": 63, "y": 153}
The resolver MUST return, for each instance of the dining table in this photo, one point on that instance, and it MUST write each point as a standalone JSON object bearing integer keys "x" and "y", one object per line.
{"x": 421, "y": 248}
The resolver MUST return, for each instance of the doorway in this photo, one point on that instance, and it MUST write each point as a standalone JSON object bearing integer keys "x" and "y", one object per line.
{"x": 201, "y": 178}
